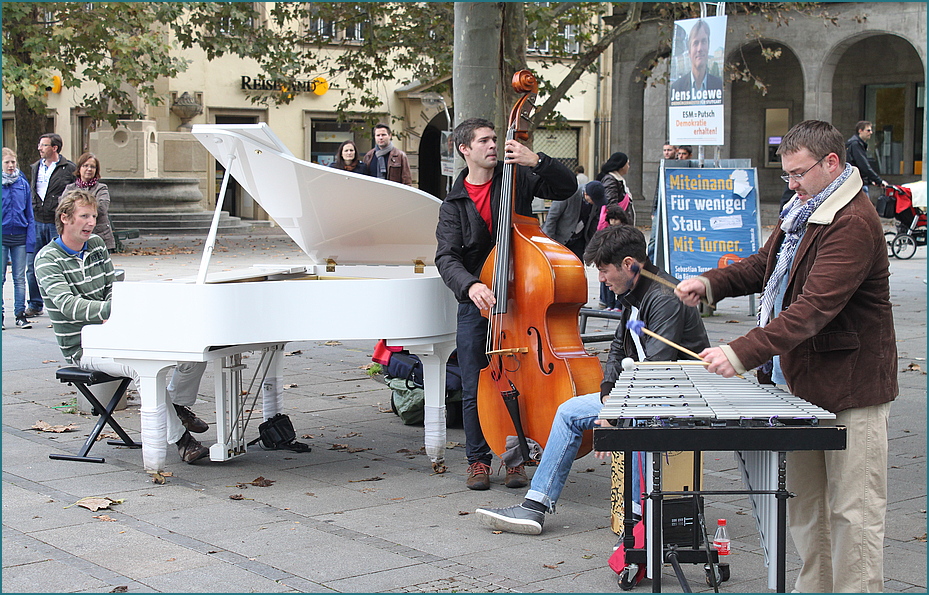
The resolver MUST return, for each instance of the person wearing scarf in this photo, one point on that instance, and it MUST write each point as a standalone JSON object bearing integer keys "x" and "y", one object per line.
{"x": 826, "y": 332}
{"x": 385, "y": 161}
{"x": 18, "y": 232}
{"x": 346, "y": 159}
{"x": 88, "y": 178}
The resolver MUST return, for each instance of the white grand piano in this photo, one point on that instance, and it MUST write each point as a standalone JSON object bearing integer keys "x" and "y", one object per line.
{"x": 366, "y": 237}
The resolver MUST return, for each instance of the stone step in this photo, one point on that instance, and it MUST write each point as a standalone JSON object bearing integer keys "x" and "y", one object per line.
{"x": 178, "y": 223}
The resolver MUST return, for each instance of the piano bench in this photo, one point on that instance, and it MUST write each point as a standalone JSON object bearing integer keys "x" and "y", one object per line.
{"x": 82, "y": 379}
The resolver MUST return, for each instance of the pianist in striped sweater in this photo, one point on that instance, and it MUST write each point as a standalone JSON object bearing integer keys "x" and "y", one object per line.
{"x": 76, "y": 276}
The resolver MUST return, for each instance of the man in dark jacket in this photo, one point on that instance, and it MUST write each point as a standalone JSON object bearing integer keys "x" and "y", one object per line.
{"x": 465, "y": 236}
{"x": 826, "y": 331}
{"x": 385, "y": 161}
{"x": 856, "y": 154}
{"x": 615, "y": 251}
{"x": 50, "y": 174}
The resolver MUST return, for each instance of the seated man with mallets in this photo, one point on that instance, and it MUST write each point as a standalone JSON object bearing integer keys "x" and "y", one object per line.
{"x": 618, "y": 252}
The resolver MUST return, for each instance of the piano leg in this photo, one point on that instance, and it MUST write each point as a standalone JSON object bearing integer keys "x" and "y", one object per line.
{"x": 154, "y": 413}
{"x": 434, "y": 358}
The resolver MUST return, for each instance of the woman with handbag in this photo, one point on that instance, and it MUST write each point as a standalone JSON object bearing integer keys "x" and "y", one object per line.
{"x": 614, "y": 183}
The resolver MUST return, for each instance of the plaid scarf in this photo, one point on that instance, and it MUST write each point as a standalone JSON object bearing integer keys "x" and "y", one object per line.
{"x": 793, "y": 223}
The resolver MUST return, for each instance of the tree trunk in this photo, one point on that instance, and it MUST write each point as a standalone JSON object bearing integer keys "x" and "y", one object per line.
{"x": 30, "y": 125}
{"x": 476, "y": 63}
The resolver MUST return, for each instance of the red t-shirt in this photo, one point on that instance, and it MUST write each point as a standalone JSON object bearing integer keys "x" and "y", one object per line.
{"x": 480, "y": 194}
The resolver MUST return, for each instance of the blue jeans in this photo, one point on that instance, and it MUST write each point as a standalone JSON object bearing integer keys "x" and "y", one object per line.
{"x": 17, "y": 256}
{"x": 44, "y": 233}
{"x": 574, "y": 417}
{"x": 472, "y": 358}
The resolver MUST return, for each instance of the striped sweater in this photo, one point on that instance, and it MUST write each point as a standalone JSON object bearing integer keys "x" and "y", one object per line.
{"x": 76, "y": 291}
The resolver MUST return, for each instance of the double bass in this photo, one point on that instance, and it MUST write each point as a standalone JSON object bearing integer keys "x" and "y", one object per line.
{"x": 536, "y": 357}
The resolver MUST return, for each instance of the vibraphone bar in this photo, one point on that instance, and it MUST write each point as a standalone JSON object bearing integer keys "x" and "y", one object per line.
{"x": 669, "y": 406}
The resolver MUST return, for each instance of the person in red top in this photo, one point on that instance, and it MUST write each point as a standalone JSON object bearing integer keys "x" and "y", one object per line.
{"x": 465, "y": 236}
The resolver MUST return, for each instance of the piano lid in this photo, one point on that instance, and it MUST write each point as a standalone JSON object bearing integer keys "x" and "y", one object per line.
{"x": 331, "y": 214}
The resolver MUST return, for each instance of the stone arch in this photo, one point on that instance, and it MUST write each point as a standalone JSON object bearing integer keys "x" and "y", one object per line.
{"x": 746, "y": 106}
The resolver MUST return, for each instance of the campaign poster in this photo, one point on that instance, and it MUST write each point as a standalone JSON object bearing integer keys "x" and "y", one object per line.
{"x": 447, "y": 154}
{"x": 696, "y": 100}
{"x": 711, "y": 217}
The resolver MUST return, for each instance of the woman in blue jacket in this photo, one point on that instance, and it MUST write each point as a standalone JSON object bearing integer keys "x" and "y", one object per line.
{"x": 18, "y": 233}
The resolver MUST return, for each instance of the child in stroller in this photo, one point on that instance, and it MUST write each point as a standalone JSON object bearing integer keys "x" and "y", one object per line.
{"x": 910, "y": 222}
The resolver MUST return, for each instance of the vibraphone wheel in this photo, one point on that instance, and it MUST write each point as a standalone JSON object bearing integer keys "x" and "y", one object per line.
{"x": 721, "y": 577}
{"x": 627, "y": 578}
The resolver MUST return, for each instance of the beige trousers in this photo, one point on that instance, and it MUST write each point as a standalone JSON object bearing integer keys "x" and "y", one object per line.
{"x": 837, "y": 517}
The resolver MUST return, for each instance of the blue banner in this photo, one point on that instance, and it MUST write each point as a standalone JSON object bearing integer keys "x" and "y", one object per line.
{"x": 711, "y": 217}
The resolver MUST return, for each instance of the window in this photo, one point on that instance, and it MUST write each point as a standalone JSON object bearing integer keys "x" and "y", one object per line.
{"x": 896, "y": 112}
{"x": 561, "y": 145}
{"x": 326, "y": 136}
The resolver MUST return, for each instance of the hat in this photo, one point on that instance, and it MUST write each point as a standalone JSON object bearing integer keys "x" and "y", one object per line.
{"x": 616, "y": 162}
{"x": 594, "y": 190}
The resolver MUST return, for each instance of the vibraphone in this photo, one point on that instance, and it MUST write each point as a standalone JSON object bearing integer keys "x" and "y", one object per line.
{"x": 670, "y": 406}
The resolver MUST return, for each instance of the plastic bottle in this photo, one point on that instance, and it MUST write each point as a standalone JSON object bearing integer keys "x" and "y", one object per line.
{"x": 721, "y": 539}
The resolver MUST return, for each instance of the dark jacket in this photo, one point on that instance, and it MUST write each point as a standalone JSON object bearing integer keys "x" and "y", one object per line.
{"x": 398, "y": 168}
{"x": 63, "y": 174}
{"x": 664, "y": 314}
{"x": 17, "y": 211}
{"x": 360, "y": 168}
{"x": 562, "y": 217}
{"x": 464, "y": 242}
{"x": 856, "y": 154}
{"x": 835, "y": 336}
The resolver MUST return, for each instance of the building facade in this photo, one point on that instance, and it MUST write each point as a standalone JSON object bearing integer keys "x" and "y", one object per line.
{"x": 869, "y": 64}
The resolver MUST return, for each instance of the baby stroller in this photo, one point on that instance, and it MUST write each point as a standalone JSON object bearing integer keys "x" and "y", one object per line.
{"x": 910, "y": 222}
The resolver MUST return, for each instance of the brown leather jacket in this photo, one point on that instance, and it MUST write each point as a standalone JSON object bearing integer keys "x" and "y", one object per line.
{"x": 836, "y": 334}
{"x": 398, "y": 167}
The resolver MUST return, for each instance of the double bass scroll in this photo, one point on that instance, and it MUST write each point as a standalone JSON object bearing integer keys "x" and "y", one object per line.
{"x": 536, "y": 357}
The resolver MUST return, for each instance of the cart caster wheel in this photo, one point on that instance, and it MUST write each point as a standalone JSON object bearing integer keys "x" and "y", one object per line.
{"x": 721, "y": 577}
{"x": 627, "y": 577}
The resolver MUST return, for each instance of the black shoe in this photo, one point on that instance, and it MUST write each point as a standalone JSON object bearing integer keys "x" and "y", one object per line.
{"x": 21, "y": 322}
{"x": 31, "y": 312}
{"x": 190, "y": 420}
{"x": 190, "y": 448}
{"x": 515, "y": 519}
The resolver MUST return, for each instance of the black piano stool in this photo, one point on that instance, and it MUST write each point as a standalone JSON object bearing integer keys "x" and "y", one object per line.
{"x": 82, "y": 379}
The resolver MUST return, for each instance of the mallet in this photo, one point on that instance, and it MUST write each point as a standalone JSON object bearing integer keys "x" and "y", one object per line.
{"x": 638, "y": 327}
{"x": 638, "y": 270}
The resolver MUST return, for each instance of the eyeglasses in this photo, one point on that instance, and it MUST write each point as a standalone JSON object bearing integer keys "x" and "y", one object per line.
{"x": 797, "y": 177}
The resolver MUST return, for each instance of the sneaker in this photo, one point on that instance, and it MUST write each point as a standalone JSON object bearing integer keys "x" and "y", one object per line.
{"x": 30, "y": 312}
{"x": 190, "y": 449}
{"x": 478, "y": 476}
{"x": 516, "y": 477}
{"x": 515, "y": 519}
{"x": 190, "y": 420}
{"x": 21, "y": 322}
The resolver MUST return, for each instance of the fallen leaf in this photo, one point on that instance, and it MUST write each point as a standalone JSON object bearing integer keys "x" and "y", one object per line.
{"x": 120, "y": 589}
{"x": 49, "y": 361}
{"x": 369, "y": 479}
{"x": 46, "y": 427}
{"x": 497, "y": 532}
{"x": 338, "y": 447}
{"x": 236, "y": 497}
{"x": 307, "y": 436}
{"x": 95, "y": 503}
{"x": 358, "y": 449}
{"x": 912, "y": 368}
{"x": 158, "y": 478}
{"x": 332, "y": 343}
{"x": 168, "y": 473}
{"x": 733, "y": 321}
{"x": 297, "y": 352}
{"x": 549, "y": 566}
{"x": 291, "y": 385}
{"x": 463, "y": 513}
{"x": 105, "y": 517}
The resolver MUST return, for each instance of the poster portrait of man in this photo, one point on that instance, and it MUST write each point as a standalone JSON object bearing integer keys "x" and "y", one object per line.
{"x": 697, "y": 61}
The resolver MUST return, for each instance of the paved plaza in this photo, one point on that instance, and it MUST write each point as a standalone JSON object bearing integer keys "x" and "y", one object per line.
{"x": 364, "y": 511}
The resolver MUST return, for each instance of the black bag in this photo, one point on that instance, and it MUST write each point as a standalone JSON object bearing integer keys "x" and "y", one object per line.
{"x": 886, "y": 206}
{"x": 278, "y": 433}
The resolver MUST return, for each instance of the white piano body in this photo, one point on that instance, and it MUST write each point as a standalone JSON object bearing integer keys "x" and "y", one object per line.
{"x": 367, "y": 237}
